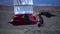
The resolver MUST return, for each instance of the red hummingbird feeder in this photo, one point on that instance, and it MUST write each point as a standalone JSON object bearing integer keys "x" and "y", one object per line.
{"x": 23, "y": 13}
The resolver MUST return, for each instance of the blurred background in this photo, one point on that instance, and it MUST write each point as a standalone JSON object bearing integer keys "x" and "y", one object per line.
{"x": 51, "y": 25}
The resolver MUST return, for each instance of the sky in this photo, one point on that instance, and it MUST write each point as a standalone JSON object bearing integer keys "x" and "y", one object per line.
{"x": 36, "y": 2}
{"x": 6, "y": 2}
{"x": 47, "y": 2}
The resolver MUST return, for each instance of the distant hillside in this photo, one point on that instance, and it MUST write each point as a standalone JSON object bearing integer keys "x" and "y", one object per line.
{"x": 52, "y": 9}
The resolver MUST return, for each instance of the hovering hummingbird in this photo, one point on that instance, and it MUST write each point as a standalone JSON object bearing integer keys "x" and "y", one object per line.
{"x": 47, "y": 14}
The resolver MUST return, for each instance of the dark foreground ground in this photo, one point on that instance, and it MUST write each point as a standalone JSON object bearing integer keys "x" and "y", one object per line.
{"x": 51, "y": 25}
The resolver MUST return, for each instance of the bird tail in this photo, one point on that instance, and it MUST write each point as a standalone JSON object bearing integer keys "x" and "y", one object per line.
{"x": 47, "y": 14}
